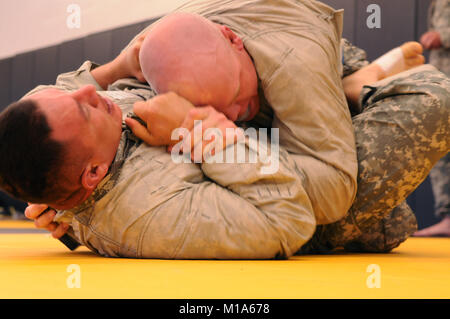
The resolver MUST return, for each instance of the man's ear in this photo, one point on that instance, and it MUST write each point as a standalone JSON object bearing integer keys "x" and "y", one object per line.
{"x": 232, "y": 37}
{"x": 92, "y": 175}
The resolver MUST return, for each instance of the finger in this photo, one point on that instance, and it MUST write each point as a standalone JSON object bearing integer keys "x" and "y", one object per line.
{"x": 435, "y": 43}
{"x": 422, "y": 38}
{"x": 142, "y": 37}
{"x": 208, "y": 147}
{"x": 44, "y": 219}
{"x": 52, "y": 226}
{"x": 193, "y": 123}
{"x": 60, "y": 230}
{"x": 194, "y": 138}
{"x": 201, "y": 143}
{"x": 140, "y": 77}
{"x": 215, "y": 124}
{"x": 34, "y": 210}
{"x": 219, "y": 139}
{"x": 195, "y": 114}
{"x": 141, "y": 131}
{"x": 212, "y": 137}
{"x": 427, "y": 42}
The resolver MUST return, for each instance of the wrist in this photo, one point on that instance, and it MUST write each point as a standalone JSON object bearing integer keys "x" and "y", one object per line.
{"x": 109, "y": 73}
{"x": 119, "y": 68}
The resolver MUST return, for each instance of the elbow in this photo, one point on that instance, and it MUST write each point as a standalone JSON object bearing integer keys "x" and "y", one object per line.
{"x": 339, "y": 197}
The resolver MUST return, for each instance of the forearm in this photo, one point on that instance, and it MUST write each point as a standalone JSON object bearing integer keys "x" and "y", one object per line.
{"x": 330, "y": 190}
{"x": 236, "y": 213}
{"x": 316, "y": 129}
{"x": 275, "y": 191}
{"x": 109, "y": 73}
{"x": 328, "y": 172}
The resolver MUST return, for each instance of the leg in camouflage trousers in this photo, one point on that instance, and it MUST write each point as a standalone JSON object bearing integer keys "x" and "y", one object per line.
{"x": 401, "y": 133}
{"x": 440, "y": 183}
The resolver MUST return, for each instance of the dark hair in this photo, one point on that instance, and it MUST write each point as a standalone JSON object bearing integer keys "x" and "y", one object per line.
{"x": 29, "y": 159}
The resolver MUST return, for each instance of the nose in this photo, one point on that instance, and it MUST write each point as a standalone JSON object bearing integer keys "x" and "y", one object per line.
{"x": 87, "y": 94}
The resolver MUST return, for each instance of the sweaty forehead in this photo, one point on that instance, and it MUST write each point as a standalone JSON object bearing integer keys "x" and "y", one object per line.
{"x": 62, "y": 113}
{"x": 45, "y": 93}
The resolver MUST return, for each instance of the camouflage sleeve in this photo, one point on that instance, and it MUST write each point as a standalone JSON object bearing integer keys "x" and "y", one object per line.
{"x": 236, "y": 211}
{"x": 353, "y": 58}
{"x": 441, "y": 21}
{"x": 315, "y": 128}
{"x": 272, "y": 194}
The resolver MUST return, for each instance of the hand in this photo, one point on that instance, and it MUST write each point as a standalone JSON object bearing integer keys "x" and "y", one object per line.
{"x": 200, "y": 145}
{"x": 125, "y": 65}
{"x": 129, "y": 59}
{"x": 45, "y": 220}
{"x": 163, "y": 114}
{"x": 431, "y": 40}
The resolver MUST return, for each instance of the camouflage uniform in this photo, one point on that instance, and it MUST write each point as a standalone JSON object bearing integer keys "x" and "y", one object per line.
{"x": 391, "y": 163}
{"x": 353, "y": 58}
{"x": 440, "y": 184}
{"x": 159, "y": 209}
{"x": 439, "y": 20}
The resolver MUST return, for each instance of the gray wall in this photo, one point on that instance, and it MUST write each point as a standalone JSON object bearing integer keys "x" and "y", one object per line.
{"x": 401, "y": 20}
{"x": 21, "y": 73}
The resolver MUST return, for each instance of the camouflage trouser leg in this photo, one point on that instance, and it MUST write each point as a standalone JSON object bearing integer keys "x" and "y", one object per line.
{"x": 403, "y": 131}
{"x": 440, "y": 184}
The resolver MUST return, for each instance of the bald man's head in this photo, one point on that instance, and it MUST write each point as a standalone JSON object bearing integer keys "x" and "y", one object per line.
{"x": 204, "y": 62}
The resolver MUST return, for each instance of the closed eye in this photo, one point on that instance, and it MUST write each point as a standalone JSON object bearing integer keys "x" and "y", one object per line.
{"x": 85, "y": 113}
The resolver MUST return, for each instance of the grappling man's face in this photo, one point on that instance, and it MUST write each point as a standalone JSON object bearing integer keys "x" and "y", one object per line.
{"x": 82, "y": 116}
{"x": 89, "y": 125}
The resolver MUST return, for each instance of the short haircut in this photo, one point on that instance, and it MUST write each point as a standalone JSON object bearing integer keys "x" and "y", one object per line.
{"x": 30, "y": 160}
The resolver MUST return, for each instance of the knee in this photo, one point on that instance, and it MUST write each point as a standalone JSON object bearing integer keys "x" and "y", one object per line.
{"x": 434, "y": 88}
{"x": 432, "y": 111}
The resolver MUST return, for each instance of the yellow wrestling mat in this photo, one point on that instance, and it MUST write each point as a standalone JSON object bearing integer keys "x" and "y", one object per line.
{"x": 34, "y": 265}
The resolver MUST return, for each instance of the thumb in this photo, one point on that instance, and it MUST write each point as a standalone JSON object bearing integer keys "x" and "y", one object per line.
{"x": 34, "y": 210}
{"x": 141, "y": 131}
{"x": 140, "y": 77}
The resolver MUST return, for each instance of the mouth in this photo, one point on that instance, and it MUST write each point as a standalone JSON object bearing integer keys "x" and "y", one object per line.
{"x": 245, "y": 115}
{"x": 109, "y": 106}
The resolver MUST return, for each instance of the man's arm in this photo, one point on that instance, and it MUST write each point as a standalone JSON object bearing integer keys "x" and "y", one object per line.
{"x": 250, "y": 210}
{"x": 240, "y": 213}
{"x": 312, "y": 115}
{"x": 125, "y": 65}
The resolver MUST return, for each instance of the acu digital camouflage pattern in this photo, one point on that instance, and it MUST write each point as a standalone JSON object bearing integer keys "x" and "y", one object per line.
{"x": 398, "y": 141}
{"x": 440, "y": 184}
{"x": 353, "y": 58}
{"x": 439, "y": 20}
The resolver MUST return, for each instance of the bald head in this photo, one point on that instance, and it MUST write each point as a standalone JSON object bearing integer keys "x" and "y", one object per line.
{"x": 189, "y": 55}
